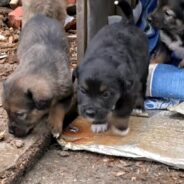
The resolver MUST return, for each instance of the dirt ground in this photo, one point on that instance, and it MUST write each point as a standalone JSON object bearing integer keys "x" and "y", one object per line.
{"x": 58, "y": 167}
{"x": 61, "y": 167}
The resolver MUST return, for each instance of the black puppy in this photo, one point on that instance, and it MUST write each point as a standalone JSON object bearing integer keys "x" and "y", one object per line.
{"x": 112, "y": 77}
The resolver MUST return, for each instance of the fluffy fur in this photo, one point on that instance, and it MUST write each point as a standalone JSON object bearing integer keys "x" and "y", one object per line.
{"x": 41, "y": 85}
{"x": 169, "y": 18}
{"x": 112, "y": 76}
{"x": 52, "y": 8}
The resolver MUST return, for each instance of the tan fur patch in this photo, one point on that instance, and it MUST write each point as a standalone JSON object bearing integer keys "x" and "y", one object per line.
{"x": 103, "y": 88}
{"x": 159, "y": 58}
{"x": 56, "y": 117}
{"x": 40, "y": 87}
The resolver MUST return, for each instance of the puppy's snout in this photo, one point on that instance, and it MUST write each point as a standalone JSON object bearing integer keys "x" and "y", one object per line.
{"x": 90, "y": 112}
{"x": 11, "y": 129}
{"x": 18, "y": 132}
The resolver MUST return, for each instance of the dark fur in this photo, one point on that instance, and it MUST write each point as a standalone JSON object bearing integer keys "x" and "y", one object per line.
{"x": 162, "y": 19}
{"x": 41, "y": 80}
{"x": 169, "y": 18}
{"x": 112, "y": 76}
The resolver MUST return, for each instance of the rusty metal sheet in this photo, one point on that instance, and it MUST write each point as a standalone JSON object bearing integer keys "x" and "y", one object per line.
{"x": 159, "y": 138}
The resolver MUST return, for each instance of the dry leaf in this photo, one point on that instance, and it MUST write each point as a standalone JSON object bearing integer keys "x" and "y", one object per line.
{"x": 121, "y": 173}
{"x": 2, "y": 135}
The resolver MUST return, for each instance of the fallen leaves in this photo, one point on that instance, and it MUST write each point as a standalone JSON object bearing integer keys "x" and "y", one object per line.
{"x": 3, "y": 56}
{"x": 63, "y": 153}
{"x": 133, "y": 178}
{"x": 8, "y": 44}
{"x": 2, "y": 37}
{"x": 118, "y": 174}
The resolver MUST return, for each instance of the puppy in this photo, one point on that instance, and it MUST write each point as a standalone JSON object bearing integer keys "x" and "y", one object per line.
{"x": 169, "y": 18}
{"x": 112, "y": 77}
{"x": 52, "y": 8}
{"x": 41, "y": 86}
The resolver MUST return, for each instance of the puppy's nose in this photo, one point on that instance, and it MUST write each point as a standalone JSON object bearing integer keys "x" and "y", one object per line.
{"x": 18, "y": 132}
{"x": 90, "y": 113}
{"x": 11, "y": 129}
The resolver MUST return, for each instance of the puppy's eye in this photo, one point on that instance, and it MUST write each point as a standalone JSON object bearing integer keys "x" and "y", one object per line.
{"x": 83, "y": 90}
{"x": 20, "y": 115}
{"x": 169, "y": 13}
{"x": 106, "y": 94}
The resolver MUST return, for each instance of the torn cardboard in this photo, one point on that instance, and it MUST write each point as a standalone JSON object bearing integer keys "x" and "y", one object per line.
{"x": 159, "y": 138}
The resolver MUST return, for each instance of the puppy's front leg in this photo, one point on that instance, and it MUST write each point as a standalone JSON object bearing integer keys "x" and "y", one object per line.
{"x": 119, "y": 125}
{"x": 56, "y": 118}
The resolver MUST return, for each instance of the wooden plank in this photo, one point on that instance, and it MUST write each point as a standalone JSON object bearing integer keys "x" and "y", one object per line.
{"x": 81, "y": 28}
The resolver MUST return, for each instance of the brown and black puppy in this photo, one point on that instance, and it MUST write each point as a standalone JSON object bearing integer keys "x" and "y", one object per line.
{"x": 169, "y": 18}
{"x": 161, "y": 55}
{"x": 168, "y": 15}
{"x": 51, "y": 8}
{"x": 41, "y": 86}
{"x": 112, "y": 77}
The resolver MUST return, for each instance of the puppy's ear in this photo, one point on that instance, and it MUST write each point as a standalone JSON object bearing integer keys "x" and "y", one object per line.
{"x": 75, "y": 74}
{"x": 39, "y": 90}
{"x": 39, "y": 104}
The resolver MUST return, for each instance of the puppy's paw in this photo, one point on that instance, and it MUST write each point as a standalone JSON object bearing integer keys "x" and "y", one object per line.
{"x": 55, "y": 121}
{"x": 56, "y": 135}
{"x": 56, "y": 129}
{"x": 140, "y": 113}
{"x": 55, "y": 125}
{"x": 97, "y": 128}
{"x": 137, "y": 111}
{"x": 120, "y": 132}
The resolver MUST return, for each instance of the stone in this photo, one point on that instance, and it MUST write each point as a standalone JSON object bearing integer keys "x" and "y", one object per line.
{"x": 15, "y": 17}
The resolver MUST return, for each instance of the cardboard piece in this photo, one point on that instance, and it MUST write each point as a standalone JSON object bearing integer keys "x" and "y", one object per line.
{"x": 159, "y": 138}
